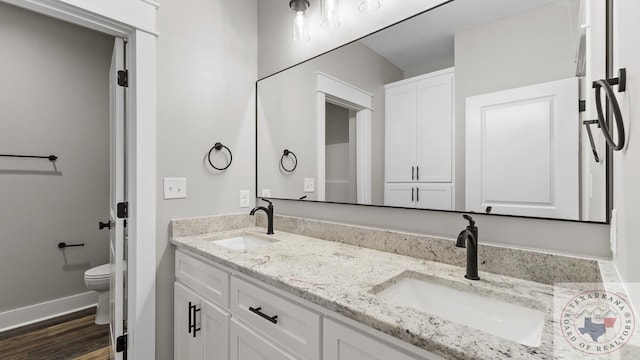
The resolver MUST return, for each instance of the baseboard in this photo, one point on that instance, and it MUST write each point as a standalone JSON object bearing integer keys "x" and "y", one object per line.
{"x": 46, "y": 310}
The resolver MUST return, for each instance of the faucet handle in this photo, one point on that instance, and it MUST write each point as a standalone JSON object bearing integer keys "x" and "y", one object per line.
{"x": 270, "y": 203}
{"x": 470, "y": 219}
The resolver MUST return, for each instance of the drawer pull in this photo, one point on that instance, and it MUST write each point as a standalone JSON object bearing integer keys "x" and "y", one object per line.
{"x": 273, "y": 319}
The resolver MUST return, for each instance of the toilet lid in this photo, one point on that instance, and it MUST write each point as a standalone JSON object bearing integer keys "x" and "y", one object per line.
{"x": 101, "y": 271}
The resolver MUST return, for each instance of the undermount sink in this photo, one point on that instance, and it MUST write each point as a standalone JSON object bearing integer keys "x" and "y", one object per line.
{"x": 242, "y": 242}
{"x": 502, "y": 318}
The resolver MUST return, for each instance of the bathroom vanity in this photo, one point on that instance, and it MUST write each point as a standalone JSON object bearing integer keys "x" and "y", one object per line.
{"x": 242, "y": 294}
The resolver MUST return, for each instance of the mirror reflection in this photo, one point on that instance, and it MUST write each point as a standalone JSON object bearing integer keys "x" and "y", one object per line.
{"x": 473, "y": 106}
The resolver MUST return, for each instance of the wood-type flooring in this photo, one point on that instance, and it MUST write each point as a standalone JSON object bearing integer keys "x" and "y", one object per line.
{"x": 70, "y": 337}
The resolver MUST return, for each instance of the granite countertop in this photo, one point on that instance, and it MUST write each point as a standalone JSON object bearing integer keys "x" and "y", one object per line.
{"x": 345, "y": 278}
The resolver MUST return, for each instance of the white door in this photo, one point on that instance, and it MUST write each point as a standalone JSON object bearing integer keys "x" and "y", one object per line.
{"x": 188, "y": 337}
{"x": 434, "y": 129}
{"x": 398, "y": 194}
{"x": 400, "y": 133}
{"x": 522, "y": 151}
{"x": 117, "y": 234}
{"x": 434, "y": 196}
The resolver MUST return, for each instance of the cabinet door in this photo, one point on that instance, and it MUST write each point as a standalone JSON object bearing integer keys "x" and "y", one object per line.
{"x": 433, "y": 196}
{"x": 344, "y": 343}
{"x": 400, "y": 133}
{"x": 186, "y": 346}
{"x": 434, "y": 128}
{"x": 247, "y": 345}
{"x": 211, "y": 341}
{"x": 400, "y": 195}
{"x": 215, "y": 332}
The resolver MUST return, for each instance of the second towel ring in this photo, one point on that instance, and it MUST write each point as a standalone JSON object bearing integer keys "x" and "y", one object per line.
{"x": 615, "y": 107}
{"x": 288, "y": 152}
{"x": 218, "y": 146}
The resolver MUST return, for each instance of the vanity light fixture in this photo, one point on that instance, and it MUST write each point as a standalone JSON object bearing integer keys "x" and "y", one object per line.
{"x": 299, "y": 21}
{"x": 369, "y": 5}
{"x": 330, "y": 13}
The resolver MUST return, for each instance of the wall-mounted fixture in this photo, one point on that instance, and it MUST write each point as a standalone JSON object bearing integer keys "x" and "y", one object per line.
{"x": 299, "y": 21}
{"x": 49, "y": 157}
{"x": 330, "y": 13}
{"x": 217, "y": 147}
{"x": 621, "y": 82}
{"x": 286, "y": 153}
{"x": 366, "y": 6}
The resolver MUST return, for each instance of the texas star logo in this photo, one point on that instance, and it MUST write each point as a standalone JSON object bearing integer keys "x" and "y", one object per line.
{"x": 597, "y": 322}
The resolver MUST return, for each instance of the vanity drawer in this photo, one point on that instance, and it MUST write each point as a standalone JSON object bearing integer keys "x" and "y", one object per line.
{"x": 207, "y": 280}
{"x": 284, "y": 321}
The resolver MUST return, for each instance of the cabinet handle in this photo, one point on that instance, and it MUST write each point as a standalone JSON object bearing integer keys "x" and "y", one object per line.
{"x": 417, "y": 194}
{"x": 273, "y": 319}
{"x": 412, "y": 173}
{"x": 190, "y": 307}
{"x": 417, "y": 172}
{"x": 411, "y": 194}
{"x": 192, "y": 319}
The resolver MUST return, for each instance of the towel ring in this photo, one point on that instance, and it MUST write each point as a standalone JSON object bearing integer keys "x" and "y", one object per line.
{"x": 287, "y": 152}
{"x": 617, "y": 114}
{"x": 218, "y": 146}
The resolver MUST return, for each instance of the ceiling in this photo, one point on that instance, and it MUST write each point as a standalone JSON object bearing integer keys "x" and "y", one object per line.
{"x": 429, "y": 38}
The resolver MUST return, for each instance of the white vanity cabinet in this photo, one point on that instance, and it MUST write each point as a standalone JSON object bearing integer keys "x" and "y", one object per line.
{"x": 419, "y": 141}
{"x": 250, "y": 320}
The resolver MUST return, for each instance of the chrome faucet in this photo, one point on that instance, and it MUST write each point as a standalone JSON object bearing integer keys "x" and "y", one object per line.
{"x": 269, "y": 211}
{"x": 469, "y": 238}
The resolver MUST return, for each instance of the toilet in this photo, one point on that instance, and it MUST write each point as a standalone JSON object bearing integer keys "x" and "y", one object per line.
{"x": 98, "y": 279}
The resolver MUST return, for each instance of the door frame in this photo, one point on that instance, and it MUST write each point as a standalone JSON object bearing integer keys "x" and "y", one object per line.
{"x": 133, "y": 20}
{"x": 338, "y": 92}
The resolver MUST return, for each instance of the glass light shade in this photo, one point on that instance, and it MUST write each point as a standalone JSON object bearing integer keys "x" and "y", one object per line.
{"x": 330, "y": 13}
{"x": 300, "y": 27}
{"x": 369, "y": 5}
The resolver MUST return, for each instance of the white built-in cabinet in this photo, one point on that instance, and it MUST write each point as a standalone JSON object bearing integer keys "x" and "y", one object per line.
{"x": 243, "y": 319}
{"x": 419, "y": 127}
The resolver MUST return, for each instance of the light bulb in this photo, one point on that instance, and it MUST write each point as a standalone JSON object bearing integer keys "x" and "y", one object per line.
{"x": 300, "y": 27}
{"x": 369, "y": 5}
{"x": 330, "y": 14}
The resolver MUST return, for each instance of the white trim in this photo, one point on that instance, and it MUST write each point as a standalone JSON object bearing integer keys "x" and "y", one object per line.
{"x": 342, "y": 90}
{"x": 363, "y": 156}
{"x": 136, "y": 22}
{"x": 15, "y": 318}
{"x": 420, "y": 77}
{"x": 335, "y": 91}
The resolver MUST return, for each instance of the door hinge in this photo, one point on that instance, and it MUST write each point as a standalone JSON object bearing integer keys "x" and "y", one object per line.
{"x": 123, "y": 78}
{"x": 121, "y": 345}
{"x": 582, "y": 105}
{"x": 122, "y": 211}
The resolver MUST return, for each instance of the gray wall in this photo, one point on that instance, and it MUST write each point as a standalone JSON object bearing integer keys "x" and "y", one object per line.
{"x": 548, "y": 235}
{"x": 287, "y": 117}
{"x": 54, "y": 100}
{"x": 626, "y": 162}
{"x": 505, "y": 54}
{"x": 207, "y": 54}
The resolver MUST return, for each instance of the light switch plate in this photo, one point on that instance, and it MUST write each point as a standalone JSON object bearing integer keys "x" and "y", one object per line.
{"x": 244, "y": 198}
{"x": 175, "y": 188}
{"x": 266, "y": 192}
{"x": 309, "y": 185}
{"x": 613, "y": 232}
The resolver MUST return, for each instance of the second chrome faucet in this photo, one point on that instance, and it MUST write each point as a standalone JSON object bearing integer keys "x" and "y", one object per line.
{"x": 269, "y": 211}
{"x": 469, "y": 238}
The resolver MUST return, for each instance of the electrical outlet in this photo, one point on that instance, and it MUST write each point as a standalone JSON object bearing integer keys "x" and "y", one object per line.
{"x": 244, "y": 198}
{"x": 309, "y": 185}
{"x": 175, "y": 188}
{"x": 266, "y": 193}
